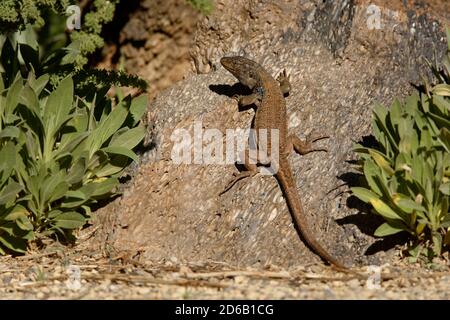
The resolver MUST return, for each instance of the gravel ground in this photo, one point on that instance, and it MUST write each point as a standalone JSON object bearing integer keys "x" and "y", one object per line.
{"x": 59, "y": 272}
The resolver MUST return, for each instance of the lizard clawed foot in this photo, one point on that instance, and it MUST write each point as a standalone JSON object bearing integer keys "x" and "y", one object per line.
{"x": 236, "y": 97}
{"x": 282, "y": 76}
{"x": 237, "y": 177}
{"x": 283, "y": 79}
{"x": 310, "y": 139}
{"x": 304, "y": 147}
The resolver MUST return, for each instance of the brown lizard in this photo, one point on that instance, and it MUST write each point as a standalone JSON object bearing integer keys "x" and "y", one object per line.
{"x": 268, "y": 97}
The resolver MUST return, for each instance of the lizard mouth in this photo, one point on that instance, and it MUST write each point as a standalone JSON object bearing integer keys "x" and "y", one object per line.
{"x": 227, "y": 62}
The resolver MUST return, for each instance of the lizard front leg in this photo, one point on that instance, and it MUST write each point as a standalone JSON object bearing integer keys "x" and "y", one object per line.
{"x": 247, "y": 100}
{"x": 283, "y": 80}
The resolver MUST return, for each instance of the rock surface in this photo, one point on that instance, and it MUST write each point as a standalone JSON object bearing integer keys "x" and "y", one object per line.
{"x": 339, "y": 67}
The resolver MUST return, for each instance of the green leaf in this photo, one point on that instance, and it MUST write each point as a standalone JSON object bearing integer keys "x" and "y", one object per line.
{"x": 58, "y": 106}
{"x": 74, "y": 199}
{"x": 426, "y": 181}
{"x": 395, "y": 112}
{"x": 13, "y": 243}
{"x": 441, "y": 121}
{"x": 77, "y": 194}
{"x": 384, "y": 210}
{"x": 437, "y": 243}
{"x": 9, "y": 132}
{"x": 381, "y": 161}
{"x": 76, "y": 172}
{"x": 54, "y": 213}
{"x": 72, "y": 52}
{"x": 11, "y": 229}
{"x": 99, "y": 188}
{"x": 441, "y": 103}
{"x": 364, "y": 194}
{"x": 87, "y": 210}
{"x": 445, "y": 188}
{"x": 33, "y": 184}
{"x": 33, "y": 146}
{"x": 407, "y": 204}
{"x": 403, "y": 163}
{"x": 12, "y": 97}
{"x": 59, "y": 191}
{"x": 109, "y": 125}
{"x": 387, "y": 229}
{"x": 370, "y": 172}
{"x": 121, "y": 151}
{"x": 138, "y": 108}
{"x": 411, "y": 104}
{"x": 68, "y": 145}
{"x": 129, "y": 138}
{"x": 8, "y": 156}
{"x": 29, "y": 99}
{"x": 444, "y": 138}
{"x": 80, "y": 121}
{"x": 380, "y": 114}
{"x": 16, "y": 212}
{"x": 10, "y": 192}
{"x": 54, "y": 187}
{"x": 442, "y": 90}
{"x": 409, "y": 139}
{"x": 69, "y": 220}
{"x": 24, "y": 223}
{"x": 117, "y": 164}
{"x": 417, "y": 168}
{"x": 38, "y": 84}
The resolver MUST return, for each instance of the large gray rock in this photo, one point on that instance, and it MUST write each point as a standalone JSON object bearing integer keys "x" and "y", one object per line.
{"x": 339, "y": 67}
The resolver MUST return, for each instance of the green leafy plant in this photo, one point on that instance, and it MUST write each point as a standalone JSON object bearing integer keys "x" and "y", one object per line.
{"x": 204, "y": 6}
{"x": 58, "y": 64}
{"x": 60, "y": 152}
{"x": 16, "y": 14}
{"x": 408, "y": 173}
{"x": 19, "y": 14}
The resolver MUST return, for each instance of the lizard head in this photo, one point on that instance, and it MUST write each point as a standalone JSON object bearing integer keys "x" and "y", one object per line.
{"x": 245, "y": 70}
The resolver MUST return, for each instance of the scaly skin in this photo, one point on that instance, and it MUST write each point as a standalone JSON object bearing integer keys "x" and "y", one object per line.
{"x": 270, "y": 113}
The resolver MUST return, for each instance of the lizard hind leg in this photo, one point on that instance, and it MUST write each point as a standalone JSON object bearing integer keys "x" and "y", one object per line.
{"x": 304, "y": 146}
{"x": 251, "y": 170}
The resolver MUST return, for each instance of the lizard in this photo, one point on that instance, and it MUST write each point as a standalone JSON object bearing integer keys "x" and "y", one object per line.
{"x": 268, "y": 98}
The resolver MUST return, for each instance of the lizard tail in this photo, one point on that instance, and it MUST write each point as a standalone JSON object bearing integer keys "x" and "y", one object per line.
{"x": 287, "y": 182}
